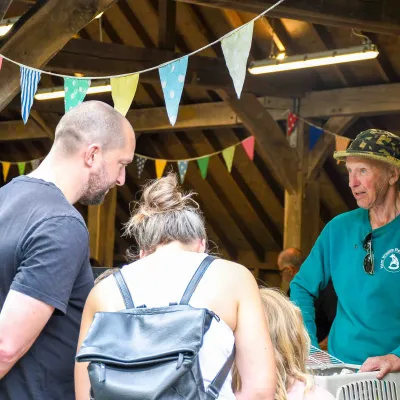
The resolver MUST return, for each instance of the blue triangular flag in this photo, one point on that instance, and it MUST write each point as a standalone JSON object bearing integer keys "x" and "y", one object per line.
{"x": 29, "y": 83}
{"x": 172, "y": 78}
{"x": 182, "y": 167}
{"x": 314, "y": 135}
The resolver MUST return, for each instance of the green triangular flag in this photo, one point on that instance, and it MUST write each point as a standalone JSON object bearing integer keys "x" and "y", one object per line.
{"x": 21, "y": 168}
{"x": 228, "y": 156}
{"x": 203, "y": 165}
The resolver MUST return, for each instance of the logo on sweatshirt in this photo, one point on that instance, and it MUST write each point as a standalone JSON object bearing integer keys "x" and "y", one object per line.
{"x": 391, "y": 260}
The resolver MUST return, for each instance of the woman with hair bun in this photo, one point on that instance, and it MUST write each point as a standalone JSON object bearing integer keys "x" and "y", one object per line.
{"x": 169, "y": 230}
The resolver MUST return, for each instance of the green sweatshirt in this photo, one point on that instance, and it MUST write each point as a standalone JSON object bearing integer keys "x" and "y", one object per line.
{"x": 367, "y": 322}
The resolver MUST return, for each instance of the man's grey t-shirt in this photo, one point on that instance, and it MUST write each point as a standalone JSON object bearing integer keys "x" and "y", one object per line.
{"x": 44, "y": 253}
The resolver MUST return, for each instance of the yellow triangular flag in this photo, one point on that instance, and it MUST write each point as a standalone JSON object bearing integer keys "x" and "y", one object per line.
{"x": 228, "y": 156}
{"x": 123, "y": 91}
{"x": 160, "y": 166}
{"x": 6, "y": 168}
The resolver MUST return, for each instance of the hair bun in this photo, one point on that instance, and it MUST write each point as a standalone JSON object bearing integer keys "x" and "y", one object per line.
{"x": 164, "y": 195}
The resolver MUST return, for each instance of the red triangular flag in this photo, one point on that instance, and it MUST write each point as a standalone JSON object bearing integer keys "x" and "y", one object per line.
{"x": 291, "y": 123}
{"x": 248, "y": 146}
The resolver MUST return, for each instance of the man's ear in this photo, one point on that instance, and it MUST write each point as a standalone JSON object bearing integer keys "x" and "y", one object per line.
{"x": 91, "y": 154}
{"x": 394, "y": 176}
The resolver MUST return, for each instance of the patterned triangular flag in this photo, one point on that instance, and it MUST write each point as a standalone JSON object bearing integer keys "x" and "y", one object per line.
{"x": 35, "y": 164}
{"x": 203, "y": 166}
{"x": 314, "y": 134}
{"x": 182, "y": 167}
{"x": 236, "y": 49}
{"x": 140, "y": 161}
{"x": 228, "y": 156}
{"x": 21, "y": 168}
{"x": 160, "y": 166}
{"x": 292, "y": 129}
{"x": 75, "y": 91}
{"x": 1, "y": 62}
{"x": 29, "y": 83}
{"x": 341, "y": 144}
{"x": 123, "y": 91}
{"x": 248, "y": 146}
{"x": 172, "y": 78}
{"x": 6, "y": 169}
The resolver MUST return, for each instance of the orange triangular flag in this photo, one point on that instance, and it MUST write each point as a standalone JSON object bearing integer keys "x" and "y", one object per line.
{"x": 6, "y": 168}
{"x": 160, "y": 166}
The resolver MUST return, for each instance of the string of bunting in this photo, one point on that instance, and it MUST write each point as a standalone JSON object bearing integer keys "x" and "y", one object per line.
{"x": 235, "y": 47}
{"x": 248, "y": 144}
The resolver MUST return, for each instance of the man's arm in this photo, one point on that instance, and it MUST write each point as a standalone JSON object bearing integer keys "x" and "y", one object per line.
{"x": 52, "y": 256}
{"x": 383, "y": 364}
{"x": 21, "y": 321}
{"x": 313, "y": 276}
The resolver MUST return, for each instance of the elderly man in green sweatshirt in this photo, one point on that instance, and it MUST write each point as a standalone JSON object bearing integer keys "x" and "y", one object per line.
{"x": 360, "y": 251}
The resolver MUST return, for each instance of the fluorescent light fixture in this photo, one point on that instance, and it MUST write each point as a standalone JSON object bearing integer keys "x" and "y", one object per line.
{"x": 58, "y": 92}
{"x": 99, "y": 15}
{"x": 278, "y": 64}
{"x": 7, "y": 24}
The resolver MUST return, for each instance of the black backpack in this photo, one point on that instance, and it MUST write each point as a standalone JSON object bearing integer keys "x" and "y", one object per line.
{"x": 151, "y": 353}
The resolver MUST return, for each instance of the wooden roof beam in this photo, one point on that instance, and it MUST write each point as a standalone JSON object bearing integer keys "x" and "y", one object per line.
{"x": 380, "y": 17}
{"x": 325, "y": 145}
{"x": 274, "y": 148}
{"x": 98, "y": 59}
{"x": 4, "y": 4}
{"x": 37, "y": 37}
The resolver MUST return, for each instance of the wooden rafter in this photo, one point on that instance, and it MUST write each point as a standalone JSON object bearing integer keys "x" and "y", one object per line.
{"x": 99, "y": 59}
{"x": 324, "y": 146}
{"x": 272, "y": 144}
{"x": 4, "y": 4}
{"x": 379, "y": 17}
{"x": 37, "y": 37}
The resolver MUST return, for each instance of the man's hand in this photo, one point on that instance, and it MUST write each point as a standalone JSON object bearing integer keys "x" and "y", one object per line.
{"x": 383, "y": 364}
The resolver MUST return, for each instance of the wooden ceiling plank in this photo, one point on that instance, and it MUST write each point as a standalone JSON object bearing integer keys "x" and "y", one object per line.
{"x": 379, "y": 17}
{"x": 37, "y": 37}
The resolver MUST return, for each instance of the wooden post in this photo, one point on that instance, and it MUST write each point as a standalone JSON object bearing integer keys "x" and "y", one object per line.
{"x": 302, "y": 216}
{"x": 101, "y": 222}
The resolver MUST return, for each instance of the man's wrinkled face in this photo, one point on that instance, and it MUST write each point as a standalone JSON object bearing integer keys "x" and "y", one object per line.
{"x": 368, "y": 181}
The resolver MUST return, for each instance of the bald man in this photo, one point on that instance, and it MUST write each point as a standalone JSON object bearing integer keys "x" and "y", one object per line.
{"x": 289, "y": 263}
{"x": 45, "y": 274}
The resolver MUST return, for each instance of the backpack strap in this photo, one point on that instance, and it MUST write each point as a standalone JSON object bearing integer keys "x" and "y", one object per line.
{"x": 216, "y": 385}
{"x": 123, "y": 288}
{"x": 191, "y": 287}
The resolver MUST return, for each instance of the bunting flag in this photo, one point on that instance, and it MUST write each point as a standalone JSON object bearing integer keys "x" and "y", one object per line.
{"x": 292, "y": 129}
{"x": 21, "y": 168}
{"x": 228, "y": 155}
{"x": 35, "y": 164}
{"x": 236, "y": 49}
{"x": 123, "y": 91}
{"x": 248, "y": 146}
{"x": 6, "y": 169}
{"x": 1, "y": 62}
{"x": 160, "y": 166}
{"x": 140, "y": 161}
{"x": 75, "y": 91}
{"x": 182, "y": 167}
{"x": 203, "y": 166}
{"x": 29, "y": 83}
{"x": 314, "y": 134}
{"x": 172, "y": 78}
{"x": 341, "y": 144}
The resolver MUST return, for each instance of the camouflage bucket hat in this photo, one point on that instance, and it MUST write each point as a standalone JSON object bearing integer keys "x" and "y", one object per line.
{"x": 374, "y": 144}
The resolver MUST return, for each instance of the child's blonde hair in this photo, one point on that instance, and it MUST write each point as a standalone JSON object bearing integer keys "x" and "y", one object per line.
{"x": 290, "y": 340}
